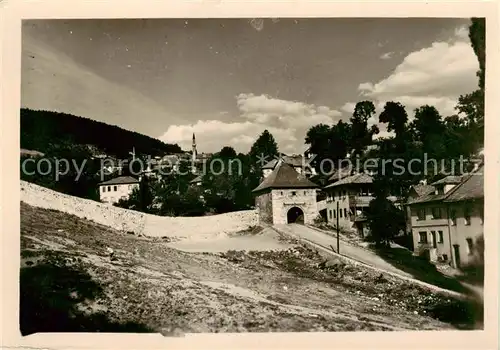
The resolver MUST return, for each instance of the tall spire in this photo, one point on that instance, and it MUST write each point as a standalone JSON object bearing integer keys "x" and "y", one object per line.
{"x": 194, "y": 154}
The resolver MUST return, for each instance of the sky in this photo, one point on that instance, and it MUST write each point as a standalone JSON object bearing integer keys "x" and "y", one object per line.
{"x": 227, "y": 80}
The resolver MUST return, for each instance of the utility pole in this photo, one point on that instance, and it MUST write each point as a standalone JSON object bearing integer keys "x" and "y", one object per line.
{"x": 338, "y": 230}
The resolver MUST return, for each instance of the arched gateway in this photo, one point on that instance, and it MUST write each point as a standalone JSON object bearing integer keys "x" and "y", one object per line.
{"x": 285, "y": 197}
{"x": 295, "y": 215}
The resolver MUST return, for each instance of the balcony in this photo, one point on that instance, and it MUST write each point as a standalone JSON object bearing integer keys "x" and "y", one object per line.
{"x": 360, "y": 201}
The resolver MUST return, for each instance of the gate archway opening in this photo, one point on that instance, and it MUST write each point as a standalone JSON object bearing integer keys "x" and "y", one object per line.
{"x": 295, "y": 215}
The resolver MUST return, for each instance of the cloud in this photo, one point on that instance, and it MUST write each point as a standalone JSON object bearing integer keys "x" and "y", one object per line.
{"x": 462, "y": 33}
{"x": 386, "y": 55}
{"x": 348, "y": 107}
{"x": 436, "y": 75}
{"x": 212, "y": 135}
{"x": 287, "y": 121}
{"x": 442, "y": 69}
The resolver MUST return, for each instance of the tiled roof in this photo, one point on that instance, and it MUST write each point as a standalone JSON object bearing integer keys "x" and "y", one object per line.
{"x": 341, "y": 173}
{"x": 360, "y": 178}
{"x": 448, "y": 180}
{"x": 120, "y": 180}
{"x": 471, "y": 187}
{"x": 270, "y": 165}
{"x": 285, "y": 176}
{"x": 295, "y": 161}
{"x": 423, "y": 190}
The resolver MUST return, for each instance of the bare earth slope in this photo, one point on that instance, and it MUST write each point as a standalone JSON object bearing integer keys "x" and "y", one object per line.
{"x": 68, "y": 283}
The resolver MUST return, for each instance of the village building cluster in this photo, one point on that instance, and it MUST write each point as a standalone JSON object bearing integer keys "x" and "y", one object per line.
{"x": 445, "y": 218}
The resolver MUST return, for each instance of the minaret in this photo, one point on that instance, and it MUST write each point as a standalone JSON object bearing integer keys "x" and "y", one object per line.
{"x": 193, "y": 154}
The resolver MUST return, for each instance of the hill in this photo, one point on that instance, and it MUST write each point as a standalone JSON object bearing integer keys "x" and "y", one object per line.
{"x": 70, "y": 283}
{"x": 40, "y": 129}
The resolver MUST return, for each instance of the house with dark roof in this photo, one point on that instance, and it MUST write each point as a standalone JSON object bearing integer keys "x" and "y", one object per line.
{"x": 300, "y": 163}
{"x": 447, "y": 218}
{"x": 347, "y": 200}
{"x": 120, "y": 187}
{"x": 348, "y": 197}
{"x": 286, "y": 196}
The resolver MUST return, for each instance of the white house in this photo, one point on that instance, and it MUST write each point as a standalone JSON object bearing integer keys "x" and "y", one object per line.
{"x": 113, "y": 190}
{"x": 447, "y": 218}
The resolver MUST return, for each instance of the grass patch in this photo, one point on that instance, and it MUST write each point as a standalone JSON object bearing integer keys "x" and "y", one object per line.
{"x": 419, "y": 267}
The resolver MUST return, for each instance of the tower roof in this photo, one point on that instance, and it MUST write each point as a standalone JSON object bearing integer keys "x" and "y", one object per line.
{"x": 285, "y": 176}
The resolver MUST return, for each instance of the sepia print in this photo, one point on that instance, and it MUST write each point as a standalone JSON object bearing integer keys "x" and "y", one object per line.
{"x": 252, "y": 175}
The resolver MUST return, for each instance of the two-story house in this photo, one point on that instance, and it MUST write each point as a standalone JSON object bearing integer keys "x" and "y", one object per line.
{"x": 347, "y": 201}
{"x": 447, "y": 218}
{"x": 113, "y": 190}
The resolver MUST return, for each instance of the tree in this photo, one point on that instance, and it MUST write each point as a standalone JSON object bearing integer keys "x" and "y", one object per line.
{"x": 384, "y": 220}
{"x": 477, "y": 31}
{"x": 264, "y": 147}
{"x": 472, "y": 105}
{"x": 328, "y": 143}
{"x": 71, "y": 170}
{"x": 361, "y": 136}
{"x": 429, "y": 128}
{"x": 394, "y": 114}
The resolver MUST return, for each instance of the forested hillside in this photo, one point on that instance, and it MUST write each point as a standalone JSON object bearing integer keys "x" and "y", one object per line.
{"x": 40, "y": 129}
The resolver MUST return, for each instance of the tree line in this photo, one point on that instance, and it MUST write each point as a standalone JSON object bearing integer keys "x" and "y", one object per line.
{"x": 41, "y": 130}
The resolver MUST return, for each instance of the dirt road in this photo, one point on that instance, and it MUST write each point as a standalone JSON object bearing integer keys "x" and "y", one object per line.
{"x": 356, "y": 253}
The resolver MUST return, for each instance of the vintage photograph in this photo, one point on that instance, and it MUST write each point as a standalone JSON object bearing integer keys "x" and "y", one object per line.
{"x": 204, "y": 175}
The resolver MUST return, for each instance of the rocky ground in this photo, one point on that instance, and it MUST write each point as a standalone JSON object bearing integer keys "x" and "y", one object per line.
{"x": 70, "y": 283}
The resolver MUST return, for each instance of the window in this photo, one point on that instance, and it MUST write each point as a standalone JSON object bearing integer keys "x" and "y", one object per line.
{"x": 330, "y": 214}
{"x": 422, "y": 237}
{"x": 333, "y": 195}
{"x": 345, "y": 212}
{"x": 470, "y": 246}
{"x": 434, "y": 239}
{"x": 467, "y": 213}
{"x": 294, "y": 193}
{"x": 305, "y": 192}
{"x": 334, "y": 216}
{"x": 115, "y": 188}
{"x": 441, "y": 237}
{"x": 109, "y": 188}
{"x": 436, "y": 213}
{"x": 445, "y": 257}
{"x": 453, "y": 217}
{"x": 340, "y": 213}
{"x": 421, "y": 214}
{"x": 281, "y": 193}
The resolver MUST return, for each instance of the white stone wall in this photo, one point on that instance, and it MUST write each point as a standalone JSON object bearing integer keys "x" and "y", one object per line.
{"x": 113, "y": 193}
{"x": 199, "y": 227}
{"x": 283, "y": 200}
